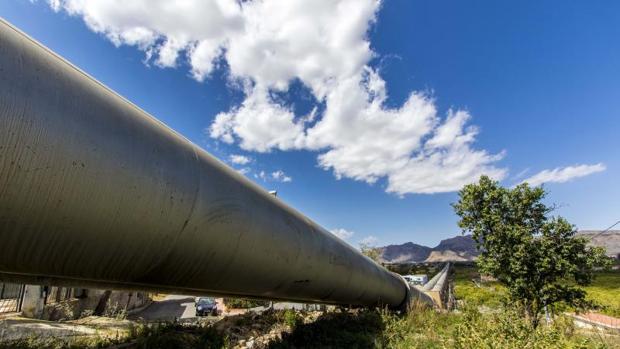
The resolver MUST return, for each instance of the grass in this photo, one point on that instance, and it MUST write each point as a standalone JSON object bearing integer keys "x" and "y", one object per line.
{"x": 335, "y": 330}
{"x": 426, "y": 328}
{"x": 605, "y": 291}
{"x": 171, "y": 335}
{"x": 158, "y": 336}
{"x": 60, "y": 343}
{"x": 469, "y": 289}
{"x": 420, "y": 328}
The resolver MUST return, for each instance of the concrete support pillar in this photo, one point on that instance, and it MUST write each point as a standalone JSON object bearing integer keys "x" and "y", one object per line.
{"x": 33, "y": 303}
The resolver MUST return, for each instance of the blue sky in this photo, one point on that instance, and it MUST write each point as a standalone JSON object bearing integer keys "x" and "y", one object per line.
{"x": 533, "y": 89}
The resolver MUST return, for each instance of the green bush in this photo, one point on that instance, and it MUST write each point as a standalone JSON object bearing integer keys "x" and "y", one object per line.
{"x": 291, "y": 318}
{"x": 509, "y": 330}
{"x": 335, "y": 330}
{"x": 243, "y": 303}
{"x": 171, "y": 335}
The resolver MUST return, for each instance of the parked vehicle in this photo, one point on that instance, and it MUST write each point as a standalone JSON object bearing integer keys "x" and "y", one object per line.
{"x": 206, "y": 306}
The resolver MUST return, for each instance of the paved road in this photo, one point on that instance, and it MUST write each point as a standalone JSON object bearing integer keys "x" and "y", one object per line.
{"x": 182, "y": 307}
{"x": 172, "y": 307}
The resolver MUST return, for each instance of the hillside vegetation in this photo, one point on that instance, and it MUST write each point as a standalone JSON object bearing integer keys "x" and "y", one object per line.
{"x": 469, "y": 289}
{"x": 605, "y": 291}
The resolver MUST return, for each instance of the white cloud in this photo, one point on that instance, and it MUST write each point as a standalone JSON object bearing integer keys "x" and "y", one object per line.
{"x": 369, "y": 240}
{"x": 343, "y": 234}
{"x": 280, "y": 176}
{"x": 564, "y": 174}
{"x": 259, "y": 124}
{"x": 239, "y": 159}
{"x": 324, "y": 45}
{"x": 275, "y": 176}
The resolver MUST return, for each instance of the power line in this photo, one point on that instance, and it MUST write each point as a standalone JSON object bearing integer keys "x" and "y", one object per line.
{"x": 613, "y": 225}
{"x": 606, "y": 230}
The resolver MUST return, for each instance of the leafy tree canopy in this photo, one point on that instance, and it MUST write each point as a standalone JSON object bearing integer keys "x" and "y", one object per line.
{"x": 539, "y": 258}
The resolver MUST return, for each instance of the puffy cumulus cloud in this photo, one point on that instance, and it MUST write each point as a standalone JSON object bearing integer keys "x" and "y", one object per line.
{"x": 163, "y": 29}
{"x": 343, "y": 234}
{"x": 267, "y": 44}
{"x": 446, "y": 162}
{"x": 259, "y": 124}
{"x": 564, "y": 174}
{"x": 239, "y": 159}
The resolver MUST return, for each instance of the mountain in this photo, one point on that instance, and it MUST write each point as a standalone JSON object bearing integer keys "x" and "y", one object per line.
{"x": 609, "y": 239}
{"x": 458, "y": 248}
{"x": 463, "y": 248}
{"x": 405, "y": 253}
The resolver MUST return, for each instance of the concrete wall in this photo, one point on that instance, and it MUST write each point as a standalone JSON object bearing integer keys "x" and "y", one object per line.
{"x": 107, "y": 303}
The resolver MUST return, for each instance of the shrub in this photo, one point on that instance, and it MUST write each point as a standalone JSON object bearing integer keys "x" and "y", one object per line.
{"x": 243, "y": 303}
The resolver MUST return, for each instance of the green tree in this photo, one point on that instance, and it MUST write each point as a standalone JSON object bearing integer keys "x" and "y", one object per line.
{"x": 539, "y": 258}
{"x": 370, "y": 251}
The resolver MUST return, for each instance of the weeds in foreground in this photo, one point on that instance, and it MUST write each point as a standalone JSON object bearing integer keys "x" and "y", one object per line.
{"x": 507, "y": 329}
{"x": 358, "y": 329}
{"x": 172, "y": 335}
{"x": 58, "y": 343}
{"x": 115, "y": 311}
{"x": 244, "y": 303}
{"x": 420, "y": 328}
{"x": 426, "y": 328}
{"x": 155, "y": 336}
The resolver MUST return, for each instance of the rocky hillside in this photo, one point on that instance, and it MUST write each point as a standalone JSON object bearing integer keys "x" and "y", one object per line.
{"x": 405, "y": 253}
{"x": 609, "y": 239}
{"x": 463, "y": 248}
{"x": 458, "y": 248}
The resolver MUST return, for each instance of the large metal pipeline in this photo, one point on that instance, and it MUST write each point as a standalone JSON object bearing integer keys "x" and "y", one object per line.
{"x": 95, "y": 191}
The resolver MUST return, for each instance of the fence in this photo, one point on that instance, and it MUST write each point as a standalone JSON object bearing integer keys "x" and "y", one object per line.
{"x": 11, "y": 297}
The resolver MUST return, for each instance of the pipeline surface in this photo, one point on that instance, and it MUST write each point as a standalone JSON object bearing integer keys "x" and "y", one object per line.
{"x": 95, "y": 191}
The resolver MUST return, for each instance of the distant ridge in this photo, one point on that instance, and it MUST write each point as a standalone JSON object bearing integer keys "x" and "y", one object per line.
{"x": 457, "y": 249}
{"x": 462, "y": 248}
{"x": 609, "y": 239}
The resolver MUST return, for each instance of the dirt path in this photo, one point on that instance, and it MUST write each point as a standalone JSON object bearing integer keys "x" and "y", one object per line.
{"x": 597, "y": 319}
{"x": 19, "y": 327}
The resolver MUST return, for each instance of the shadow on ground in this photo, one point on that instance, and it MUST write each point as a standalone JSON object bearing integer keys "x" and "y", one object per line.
{"x": 335, "y": 330}
{"x": 173, "y": 307}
